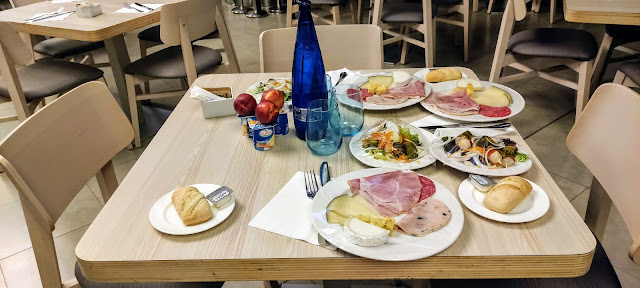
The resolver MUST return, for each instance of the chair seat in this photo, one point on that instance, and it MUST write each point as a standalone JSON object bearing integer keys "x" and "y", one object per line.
{"x": 404, "y": 12}
{"x": 169, "y": 63}
{"x": 446, "y": 2}
{"x": 152, "y": 34}
{"x": 85, "y": 283}
{"x": 327, "y": 2}
{"x": 623, "y": 34}
{"x": 632, "y": 70}
{"x": 61, "y": 47}
{"x": 600, "y": 275}
{"x": 50, "y": 77}
{"x": 554, "y": 42}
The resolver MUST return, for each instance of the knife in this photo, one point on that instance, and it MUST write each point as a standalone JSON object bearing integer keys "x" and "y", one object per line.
{"x": 324, "y": 173}
{"x": 49, "y": 16}
{"x": 143, "y": 6}
{"x": 469, "y": 125}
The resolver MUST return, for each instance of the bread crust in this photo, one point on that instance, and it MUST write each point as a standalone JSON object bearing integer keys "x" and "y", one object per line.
{"x": 443, "y": 74}
{"x": 191, "y": 205}
{"x": 507, "y": 194}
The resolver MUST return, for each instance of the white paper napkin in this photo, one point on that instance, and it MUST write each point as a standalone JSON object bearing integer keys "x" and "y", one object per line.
{"x": 204, "y": 95}
{"x": 437, "y": 120}
{"x": 62, "y": 1}
{"x": 56, "y": 18}
{"x": 289, "y": 213}
{"x": 351, "y": 76}
{"x": 127, "y": 10}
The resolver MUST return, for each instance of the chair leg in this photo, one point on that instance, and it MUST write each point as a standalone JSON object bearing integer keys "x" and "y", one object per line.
{"x": 133, "y": 108}
{"x": 619, "y": 78}
{"x": 467, "y": 18}
{"x": 601, "y": 59}
{"x": 143, "y": 53}
{"x": 429, "y": 40}
{"x": 405, "y": 46}
{"x": 475, "y": 5}
{"x": 355, "y": 16}
{"x": 335, "y": 11}
{"x": 289, "y": 13}
{"x": 582, "y": 95}
{"x": 552, "y": 12}
{"x": 490, "y": 7}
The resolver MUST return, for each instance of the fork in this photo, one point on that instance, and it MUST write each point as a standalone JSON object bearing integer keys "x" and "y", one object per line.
{"x": 126, "y": 5}
{"x": 311, "y": 183}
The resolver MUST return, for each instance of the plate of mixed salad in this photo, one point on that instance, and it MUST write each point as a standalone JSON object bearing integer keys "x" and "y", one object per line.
{"x": 392, "y": 143}
{"x": 282, "y": 84}
{"x": 484, "y": 155}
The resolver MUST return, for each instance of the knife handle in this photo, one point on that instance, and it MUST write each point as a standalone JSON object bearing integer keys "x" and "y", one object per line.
{"x": 324, "y": 173}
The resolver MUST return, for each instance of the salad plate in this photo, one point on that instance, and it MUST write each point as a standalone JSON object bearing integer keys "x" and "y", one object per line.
{"x": 483, "y": 155}
{"x": 360, "y": 81}
{"x": 399, "y": 247}
{"x": 282, "y": 84}
{"x": 534, "y": 206}
{"x": 406, "y": 153}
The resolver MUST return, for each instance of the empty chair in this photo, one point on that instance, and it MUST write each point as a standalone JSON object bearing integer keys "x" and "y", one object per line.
{"x": 332, "y": 6}
{"x": 535, "y": 7}
{"x": 359, "y": 48}
{"x": 615, "y": 109}
{"x": 180, "y": 24}
{"x": 615, "y": 37}
{"x": 52, "y": 155}
{"x": 562, "y": 48}
{"x": 28, "y": 85}
{"x": 628, "y": 74}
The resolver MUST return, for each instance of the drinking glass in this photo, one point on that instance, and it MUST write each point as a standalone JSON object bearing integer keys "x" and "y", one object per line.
{"x": 350, "y": 106}
{"x": 327, "y": 79}
{"x": 324, "y": 129}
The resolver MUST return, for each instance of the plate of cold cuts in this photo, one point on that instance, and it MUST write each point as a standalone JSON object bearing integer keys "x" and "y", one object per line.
{"x": 473, "y": 101}
{"x": 386, "y": 214}
{"x": 393, "y": 90}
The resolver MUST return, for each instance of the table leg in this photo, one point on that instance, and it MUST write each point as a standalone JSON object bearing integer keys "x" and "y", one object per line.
{"x": 119, "y": 58}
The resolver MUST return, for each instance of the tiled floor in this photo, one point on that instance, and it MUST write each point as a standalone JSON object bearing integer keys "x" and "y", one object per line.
{"x": 545, "y": 122}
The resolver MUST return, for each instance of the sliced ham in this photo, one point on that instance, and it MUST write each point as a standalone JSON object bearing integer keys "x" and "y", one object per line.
{"x": 427, "y": 216}
{"x": 490, "y": 111}
{"x": 391, "y": 193}
{"x": 414, "y": 89}
{"x": 385, "y": 100}
{"x": 458, "y": 103}
{"x": 428, "y": 188}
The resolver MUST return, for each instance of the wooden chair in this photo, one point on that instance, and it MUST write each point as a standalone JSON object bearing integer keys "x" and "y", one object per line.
{"x": 332, "y": 6}
{"x": 563, "y": 48}
{"x": 407, "y": 16}
{"x": 535, "y": 7}
{"x": 452, "y": 7}
{"x": 27, "y": 86}
{"x": 180, "y": 24}
{"x": 628, "y": 74}
{"x": 614, "y": 38}
{"x": 359, "y": 48}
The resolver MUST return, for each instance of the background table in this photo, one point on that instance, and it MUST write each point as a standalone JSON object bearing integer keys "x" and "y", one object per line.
{"x": 623, "y": 12}
{"x": 121, "y": 245}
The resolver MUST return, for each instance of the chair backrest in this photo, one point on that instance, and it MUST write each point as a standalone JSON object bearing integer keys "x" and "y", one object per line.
{"x": 351, "y": 46}
{"x": 197, "y": 15}
{"x": 20, "y": 3}
{"x": 612, "y": 117}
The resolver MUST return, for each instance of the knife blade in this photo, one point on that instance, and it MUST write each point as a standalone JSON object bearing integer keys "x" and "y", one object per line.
{"x": 469, "y": 125}
{"x": 49, "y": 16}
{"x": 324, "y": 173}
{"x": 143, "y": 6}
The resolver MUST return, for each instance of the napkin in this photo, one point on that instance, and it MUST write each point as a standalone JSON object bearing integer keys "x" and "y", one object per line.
{"x": 56, "y": 18}
{"x": 127, "y": 10}
{"x": 204, "y": 95}
{"x": 289, "y": 213}
{"x": 351, "y": 76}
{"x": 62, "y": 1}
{"x": 437, "y": 120}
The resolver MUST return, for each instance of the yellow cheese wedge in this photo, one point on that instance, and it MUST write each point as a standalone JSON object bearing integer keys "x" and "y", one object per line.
{"x": 345, "y": 206}
{"x": 492, "y": 96}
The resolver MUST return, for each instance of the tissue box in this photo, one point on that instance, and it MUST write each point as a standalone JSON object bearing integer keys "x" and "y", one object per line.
{"x": 89, "y": 12}
{"x": 219, "y": 108}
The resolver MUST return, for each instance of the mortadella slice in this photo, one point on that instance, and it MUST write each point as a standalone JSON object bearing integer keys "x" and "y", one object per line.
{"x": 428, "y": 216}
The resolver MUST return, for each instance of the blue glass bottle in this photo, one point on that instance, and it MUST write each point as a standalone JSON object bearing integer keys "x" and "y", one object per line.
{"x": 309, "y": 82}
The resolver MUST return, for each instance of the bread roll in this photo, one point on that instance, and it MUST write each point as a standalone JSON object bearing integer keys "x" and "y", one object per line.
{"x": 192, "y": 207}
{"x": 443, "y": 74}
{"x": 507, "y": 194}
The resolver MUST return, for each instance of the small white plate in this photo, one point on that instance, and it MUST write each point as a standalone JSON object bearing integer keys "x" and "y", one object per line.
{"x": 518, "y": 168}
{"x": 446, "y": 88}
{"x": 355, "y": 146}
{"x": 422, "y": 73}
{"x": 531, "y": 208}
{"x": 370, "y": 106}
{"x": 164, "y": 217}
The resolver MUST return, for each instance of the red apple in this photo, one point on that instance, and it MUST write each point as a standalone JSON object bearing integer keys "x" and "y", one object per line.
{"x": 275, "y": 96}
{"x": 267, "y": 112}
{"x": 245, "y": 104}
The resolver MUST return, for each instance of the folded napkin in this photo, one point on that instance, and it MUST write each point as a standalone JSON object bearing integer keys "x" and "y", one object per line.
{"x": 351, "y": 76}
{"x": 62, "y": 1}
{"x": 128, "y": 10}
{"x": 437, "y": 120}
{"x": 56, "y": 18}
{"x": 289, "y": 213}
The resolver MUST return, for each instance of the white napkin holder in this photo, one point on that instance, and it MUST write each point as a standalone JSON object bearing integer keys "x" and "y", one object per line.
{"x": 217, "y": 105}
{"x": 88, "y": 12}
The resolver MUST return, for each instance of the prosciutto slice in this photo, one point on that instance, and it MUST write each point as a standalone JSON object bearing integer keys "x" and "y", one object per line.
{"x": 458, "y": 103}
{"x": 428, "y": 216}
{"x": 385, "y": 100}
{"x": 414, "y": 89}
{"x": 391, "y": 193}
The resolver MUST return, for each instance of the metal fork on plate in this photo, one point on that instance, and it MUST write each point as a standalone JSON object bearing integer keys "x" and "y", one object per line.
{"x": 311, "y": 183}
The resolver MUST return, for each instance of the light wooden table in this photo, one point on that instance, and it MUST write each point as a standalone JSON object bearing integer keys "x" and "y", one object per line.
{"x": 121, "y": 245}
{"x": 622, "y": 12}
{"x": 108, "y": 26}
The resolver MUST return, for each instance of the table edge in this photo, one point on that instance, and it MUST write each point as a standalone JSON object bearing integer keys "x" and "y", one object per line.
{"x": 618, "y": 18}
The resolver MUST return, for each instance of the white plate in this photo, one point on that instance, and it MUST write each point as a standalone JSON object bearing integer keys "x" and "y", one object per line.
{"x": 420, "y": 74}
{"x": 355, "y": 146}
{"x": 400, "y": 247}
{"x": 258, "y": 96}
{"x": 531, "y": 208}
{"x": 516, "y": 169}
{"x": 446, "y": 87}
{"x": 164, "y": 217}
{"x": 370, "y": 106}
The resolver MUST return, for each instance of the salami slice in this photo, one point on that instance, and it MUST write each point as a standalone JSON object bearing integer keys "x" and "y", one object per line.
{"x": 428, "y": 188}
{"x": 490, "y": 111}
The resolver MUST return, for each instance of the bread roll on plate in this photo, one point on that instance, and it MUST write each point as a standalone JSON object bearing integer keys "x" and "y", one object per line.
{"x": 192, "y": 207}
{"x": 507, "y": 194}
{"x": 443, "y": 74}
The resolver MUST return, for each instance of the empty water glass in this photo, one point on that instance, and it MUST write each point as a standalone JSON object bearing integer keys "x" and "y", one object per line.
{"x": 324, "y": 129}
{"x": 351, "y": 108}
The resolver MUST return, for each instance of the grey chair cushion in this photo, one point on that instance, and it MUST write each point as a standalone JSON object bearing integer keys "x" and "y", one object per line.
{"x": 600, "y": 275}
{"x": 632, "y": 70}
{"x": 327, "y": 2}
{"x": 168, "y": 62}
{"x": 404, "y": 12}
{"x": 554, "y": 42}
{"x": 61, "y": 47}
{"x": 85, "y": 283}
{"x": 623, "y": 34}
{"x": 50, "y": 77}
{"x": 152, "y": 34}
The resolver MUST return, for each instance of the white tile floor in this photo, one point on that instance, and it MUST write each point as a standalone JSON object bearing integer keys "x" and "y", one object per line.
{"x": 545, "y": 126}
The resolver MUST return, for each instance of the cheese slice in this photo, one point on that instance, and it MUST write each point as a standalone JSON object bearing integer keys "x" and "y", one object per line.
{"x": 364, "y": 234}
